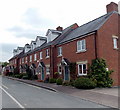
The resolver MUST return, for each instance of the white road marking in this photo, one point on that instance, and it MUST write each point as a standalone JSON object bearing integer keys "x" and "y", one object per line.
{"x": 5, "y": 86}
{"x": 12, "y": 98}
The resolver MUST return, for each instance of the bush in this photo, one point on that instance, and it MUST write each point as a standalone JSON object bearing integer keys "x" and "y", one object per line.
{"x": 25, "y": 76}
{"x": 97, "y": 71}
{"x": 72, "y": 82}
{"x": 35, "y": 77}
{"x": 59, "y": 81}
{"x": 52, "y": 80}
{"x": 84, "y": 83}
{"x": 18, "y": 76}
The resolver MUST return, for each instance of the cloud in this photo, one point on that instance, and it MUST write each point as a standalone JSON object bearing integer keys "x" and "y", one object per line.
{"x": 34, "y": 18}
{"x": 29, "y": 33}
{"x": 6, "y": 51}
{"x": 32, "y": 24}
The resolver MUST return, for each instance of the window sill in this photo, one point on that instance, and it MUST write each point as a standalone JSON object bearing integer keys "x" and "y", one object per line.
{"x": 59, "y": 56}
{"x": 81, "y": 51}
{"x": 47, "y": 57}
{"x": 115, "y": 48}
{"x": 82, "y": 75}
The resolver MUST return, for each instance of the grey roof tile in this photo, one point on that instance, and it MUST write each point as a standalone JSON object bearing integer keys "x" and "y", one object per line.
{"x": 87, "y": 28}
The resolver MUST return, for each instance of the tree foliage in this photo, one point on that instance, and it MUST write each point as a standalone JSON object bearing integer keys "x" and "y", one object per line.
{"x": 98, "y": 72}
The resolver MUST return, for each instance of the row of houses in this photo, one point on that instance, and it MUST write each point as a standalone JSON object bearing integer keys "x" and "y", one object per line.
{"x": 80, "y": 44}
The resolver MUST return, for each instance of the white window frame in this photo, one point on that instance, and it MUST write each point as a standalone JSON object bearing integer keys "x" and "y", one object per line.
{"x": 22, "y": 60}
{"x": 59, "y": 69}
{"x": 26, "y": 59}
{"x": 30, "y": 58}
{"x": 115, "y": 45}
{"x": 40, "y": 55}
{"x": 59, "y": 51}
{"x": 47, "y": 69}
{"x": 47, "y": 53}
{"x": 35, "y": 57}
{"x": 81, "y": 45}
{"x": 15, "y": 61}
{"x": 82, "y": 74}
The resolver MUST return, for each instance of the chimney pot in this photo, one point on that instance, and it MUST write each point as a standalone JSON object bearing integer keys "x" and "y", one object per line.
{"x": 59, "y": 28}
{"x": 112, "y": 7}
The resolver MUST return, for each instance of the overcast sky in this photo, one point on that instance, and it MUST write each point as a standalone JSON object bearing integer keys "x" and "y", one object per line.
{"x": 22, "y": 20}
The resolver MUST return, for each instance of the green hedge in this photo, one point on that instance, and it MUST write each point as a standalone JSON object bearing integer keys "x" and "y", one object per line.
{"x": 84, "y": 83}
{"x": 59, "y": 81}
{"x": 52, "y": 80}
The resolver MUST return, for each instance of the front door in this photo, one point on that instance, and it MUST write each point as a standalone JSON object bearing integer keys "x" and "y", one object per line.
{"x": 66, "y": 73}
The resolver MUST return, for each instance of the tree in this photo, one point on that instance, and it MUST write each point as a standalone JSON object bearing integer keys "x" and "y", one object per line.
{"x": 4, "y": 64}
{"x": 98, "y": 72}
{"x": 72, "y": 68}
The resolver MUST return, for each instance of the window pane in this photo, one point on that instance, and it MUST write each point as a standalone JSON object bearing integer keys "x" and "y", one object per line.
{"x": 115, "y": 42}
{"x": 78, "y": 46}
{"x": 80, "y": 69}
{"x": 83, "y": 44}
{"x": 84, "y": 68}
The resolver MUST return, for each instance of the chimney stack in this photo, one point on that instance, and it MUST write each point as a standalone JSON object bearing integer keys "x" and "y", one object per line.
{"x": 59, "y": 28}
{"x": 119, "y": 7}
{"x": 112, "y": 7}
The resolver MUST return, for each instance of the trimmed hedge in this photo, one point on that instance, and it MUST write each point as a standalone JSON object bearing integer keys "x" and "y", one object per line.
{"x": 59, "y": 81}
{"x": 52, "y": 80}
{"x": 84, "y": 83}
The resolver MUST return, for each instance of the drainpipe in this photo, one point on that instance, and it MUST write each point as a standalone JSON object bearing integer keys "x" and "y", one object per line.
{"x": 51, "y": 62}
{"x": 95, "y": 44}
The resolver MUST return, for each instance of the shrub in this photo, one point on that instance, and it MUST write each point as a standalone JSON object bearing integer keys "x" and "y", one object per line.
{"x": 25, "y": 76}
{"x": 84, "y": 83}
{"x": 97, "y": 71}
{"x": 72, "y": 82}
{"x": 52, "y": 80}
{"x": 35, "y": 77}
{"x": 59, "y": 81}
{"x": 18, "y": 76}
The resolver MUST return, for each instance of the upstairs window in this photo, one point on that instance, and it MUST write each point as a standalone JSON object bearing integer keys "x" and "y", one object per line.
{"x": 115, "y": 43}
{"x": 40, "y": 55}
{"x": 30, "y": 58}
{"x": 35, "y": 57}
{"x": 47, "y": 53}
{"x": 15, "y": 61}
{"x": 22, "y": 60}
{"x": 59, "y": 51}
{"x": 81, "y": 45}
{"x": 26, "y": 59}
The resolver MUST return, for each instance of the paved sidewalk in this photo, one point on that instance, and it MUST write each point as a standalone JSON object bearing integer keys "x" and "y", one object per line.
{"x": 104, "y": 96}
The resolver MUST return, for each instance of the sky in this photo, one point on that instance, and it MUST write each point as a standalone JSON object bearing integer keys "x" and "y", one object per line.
{"x": 23, "y": 20}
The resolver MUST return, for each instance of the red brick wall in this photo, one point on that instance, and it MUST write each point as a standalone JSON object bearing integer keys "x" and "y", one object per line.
{"x": 105, "y": 45}
{"x": 69, "y": 51}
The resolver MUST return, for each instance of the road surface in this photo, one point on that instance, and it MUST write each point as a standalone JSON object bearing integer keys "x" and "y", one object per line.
{"x": 16, "y": 94}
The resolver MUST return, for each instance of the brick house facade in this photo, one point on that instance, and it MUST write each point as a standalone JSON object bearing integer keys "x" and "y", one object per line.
{"x": 80, "y": 44}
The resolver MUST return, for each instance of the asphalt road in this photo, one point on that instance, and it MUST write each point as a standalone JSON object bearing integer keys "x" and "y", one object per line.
{"x": 16, "y": 94}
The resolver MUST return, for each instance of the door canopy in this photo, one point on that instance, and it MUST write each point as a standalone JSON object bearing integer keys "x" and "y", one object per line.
{"x": 65, "y": 62}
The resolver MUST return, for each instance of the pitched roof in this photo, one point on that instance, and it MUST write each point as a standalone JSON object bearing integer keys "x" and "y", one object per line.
{"x": 87, "y": 28}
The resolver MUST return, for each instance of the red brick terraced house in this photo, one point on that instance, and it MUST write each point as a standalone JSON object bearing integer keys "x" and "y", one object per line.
{"x": 99, "y": 38}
